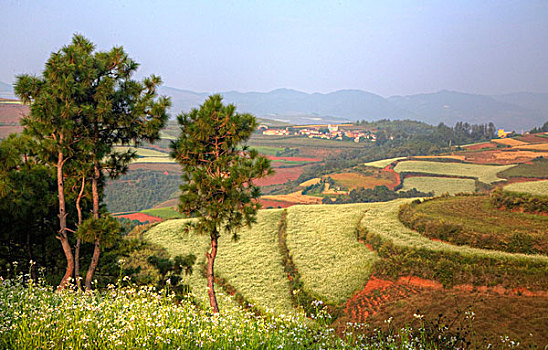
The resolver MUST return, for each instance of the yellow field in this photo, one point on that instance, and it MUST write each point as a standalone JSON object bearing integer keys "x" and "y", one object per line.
{"x": 295, "y": 197}
{"x": 439, "y": 185}
{"x": 509, "y": 142}
{"x": 322, "y": 241}
{"x": 537, "y": 146}
{"x": 252, "y": 265}
{"x": 310, "y": 182}
{"x": 519, "y": 154}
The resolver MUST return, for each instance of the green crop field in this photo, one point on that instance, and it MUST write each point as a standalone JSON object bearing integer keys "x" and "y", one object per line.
{"x": 439, "y": 185}
{"x": 382, "y": 219}
{"x": 325, "y": 249}
{"x": 383, "y": 162}
{"x": 484, "y": 173}
{"x": 266, "y": 150}
{"x": 479, "y": 224}
{"x": 253, "y": 265}
{"x": 296, "y": 141}
{"x": 538, "y": 168}
{"x": 164, "y": 213}
{"x": 532, "y": 187}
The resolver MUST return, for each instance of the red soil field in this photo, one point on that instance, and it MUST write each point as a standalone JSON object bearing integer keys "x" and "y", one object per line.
{"x": 532, "y": 138}
{"x": 140, "y": 217}
{"x": 481, "y": 146}
{"x": 11, "y": 113}
{"x": 378, "y": 292}
{"x": 397, "y": 178}
{"x": 295, "y": 159}
{"x": 6, "y": 130}
{"x": 275, "y": 204}
{"x": 281, "y": 176}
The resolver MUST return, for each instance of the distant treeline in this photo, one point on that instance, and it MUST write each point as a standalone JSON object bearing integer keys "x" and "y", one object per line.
{"x": 140, "y": 189}
{"x": 377, "y": 194}
{"x": 403, "y": 138}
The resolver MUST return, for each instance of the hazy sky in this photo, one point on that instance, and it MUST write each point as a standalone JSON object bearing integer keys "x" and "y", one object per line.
{"x": 385, "y": 47}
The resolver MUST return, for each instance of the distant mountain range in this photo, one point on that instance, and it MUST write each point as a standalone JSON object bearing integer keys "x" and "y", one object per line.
{"x": 516, "y": 111}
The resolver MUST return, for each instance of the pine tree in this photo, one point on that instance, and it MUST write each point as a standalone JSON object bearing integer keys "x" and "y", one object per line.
{"x": 84, "y": 103}
{"x": 218, "y": 173}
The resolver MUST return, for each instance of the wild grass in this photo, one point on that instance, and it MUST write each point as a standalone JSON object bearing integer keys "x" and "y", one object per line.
{"x": 323, "y": 243}
{"x": 252, "y": 265}
{"x": 533, "y": 187}
{"x": 484, "y": 173}
{"x": 383, "y": 162}
{"x": 139, "y": 318}
{"x": 36, "y": 317}
{"x": 438, "y": 185}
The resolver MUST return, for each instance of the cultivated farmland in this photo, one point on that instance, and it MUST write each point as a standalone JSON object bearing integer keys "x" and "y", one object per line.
{"x": 383, "y": 162}
{"x": 324, "y": 246}
{"x": 354, "y": 180}
{"x": 484, "y": 173}
{"x": 252, "y": 265}
{"x": 532, "y": 187}
{"x": 438, "y": 185}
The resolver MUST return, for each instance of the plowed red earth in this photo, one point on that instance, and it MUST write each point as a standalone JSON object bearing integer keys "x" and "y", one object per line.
{"x": 295, "y": 159}
{"x": 274, "y": 204}
{"x": 378, "y": 292}
{"x": 12, "y": 113}
{"x": 281, "y": 176}
{"x": 481, "y": 146}
{"x": 140, "y": 217}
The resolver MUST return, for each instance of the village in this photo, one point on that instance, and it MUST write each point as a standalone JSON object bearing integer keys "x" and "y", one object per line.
{"x": 340, "y": 132}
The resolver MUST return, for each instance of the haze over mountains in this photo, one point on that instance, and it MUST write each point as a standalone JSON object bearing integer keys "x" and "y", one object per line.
{"x": 516, "y": 111}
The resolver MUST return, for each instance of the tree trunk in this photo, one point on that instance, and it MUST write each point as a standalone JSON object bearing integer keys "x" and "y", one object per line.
{"x": 77, "y": 264}
{"x": 62, "y": 236}
{"x": 93, "y": 265}
{"x": 78, "y": 240}
{"x": 210, "y": 273}
{"x": 96, "y": 250}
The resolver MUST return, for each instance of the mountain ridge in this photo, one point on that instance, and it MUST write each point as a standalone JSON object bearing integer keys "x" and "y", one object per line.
{"x": 515, "y": 111}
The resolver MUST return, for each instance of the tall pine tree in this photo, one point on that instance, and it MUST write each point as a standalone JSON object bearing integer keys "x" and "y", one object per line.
{"x": 218, "y": 173}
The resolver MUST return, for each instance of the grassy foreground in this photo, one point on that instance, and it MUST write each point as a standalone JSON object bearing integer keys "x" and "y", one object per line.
{"x": 36, "y": 317}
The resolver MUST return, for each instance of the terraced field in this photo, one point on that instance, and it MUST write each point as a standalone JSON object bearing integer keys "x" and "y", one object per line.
{"x": 484, "y": 173}
{"x": 438, "y": 185}
{"x": 532, "y": 187}
{"x": 321, "y": 239}
{"x": 324, "y": 246}
{"x": 252, "y": 265}
{"x": 382, "y": 219}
